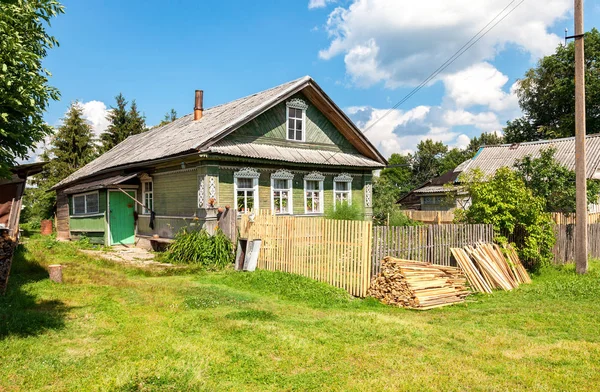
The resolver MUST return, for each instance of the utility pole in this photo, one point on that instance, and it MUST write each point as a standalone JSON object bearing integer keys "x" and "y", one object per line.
{"x": 580, "y": 175}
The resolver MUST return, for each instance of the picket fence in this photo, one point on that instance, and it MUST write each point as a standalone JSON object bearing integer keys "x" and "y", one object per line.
{"x": 425, "y": 243}
{"x": 333, "y": 251}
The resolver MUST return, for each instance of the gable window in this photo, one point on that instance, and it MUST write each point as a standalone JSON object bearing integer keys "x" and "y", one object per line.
{"x": 342, "y": 189}
{"x": 87, "y": 203}
{"x": 296, "y": 120}
{"x": 147, "y": 197}
{"x": 281, "y": 192}
{"x": 246, "y": 190}
{"x": 313, "y": 193}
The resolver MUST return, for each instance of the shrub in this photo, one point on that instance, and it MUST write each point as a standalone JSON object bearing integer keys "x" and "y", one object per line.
{"x": 199, "y": 247}
{"x": 504, "y": 201}
{"x": 345, "y": 211}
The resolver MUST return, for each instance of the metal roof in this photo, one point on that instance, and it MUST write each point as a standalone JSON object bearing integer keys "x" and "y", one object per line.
{"x": 288, "y": 154}
{"x": 491, "y": 158}
{"x": 185, "y": 135}
{"x": 99, "y": 184}
{"x": 438, "y": 189}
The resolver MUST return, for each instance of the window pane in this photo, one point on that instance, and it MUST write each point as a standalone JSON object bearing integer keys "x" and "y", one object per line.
{"x": 280, "y": 184}
{"x": 79, "y": 204}
{"x": 245, "y": 183}
{"x": 92, "y": 203}
{"x": 342, "y": 186}
{"x": 299, "y": 125}
{"x": 250, "y": 201}
{"x": 298, "y": 135}
{"x": 241, "y": 202}
{"x": 312, "y": 185}
{"x": 291, "y": 112}
{"x": 291, "y": 123}
{"x": 291, "y": 134}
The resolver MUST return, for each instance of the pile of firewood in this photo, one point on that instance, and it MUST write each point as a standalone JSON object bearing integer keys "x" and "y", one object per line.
{"x": 7, "y": 247}
{"x": 418, "y": 285}
{"x": 487, "y": 267}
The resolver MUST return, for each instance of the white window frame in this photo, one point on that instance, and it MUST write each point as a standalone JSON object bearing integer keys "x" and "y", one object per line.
{"x": 289, "y": 177}
{"x": 342, "y": 178}
{"x": 146, "y": 211}
{"x": 295, "y": 103}
{"x": 246, "y": 173}
{"x": 84, "y": 195}
{"x": 318, "y": 177}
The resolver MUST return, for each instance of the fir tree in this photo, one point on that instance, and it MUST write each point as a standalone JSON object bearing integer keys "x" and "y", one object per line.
{"x": 118, "y": 130}
{"x": 137, "y": 122}
{"x": 72, "y": 146}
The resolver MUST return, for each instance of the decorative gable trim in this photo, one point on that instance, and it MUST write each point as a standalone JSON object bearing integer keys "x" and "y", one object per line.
{"x": 344, "y": 177}
{"x": 246, "y": 172}
{"x": 282, "y": 175}
{"x": 297, "y": 103}
{"x": 314, "y": 176}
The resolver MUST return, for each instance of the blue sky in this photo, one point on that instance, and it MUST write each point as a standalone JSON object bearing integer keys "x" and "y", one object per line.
{"x": 366, "y": 54}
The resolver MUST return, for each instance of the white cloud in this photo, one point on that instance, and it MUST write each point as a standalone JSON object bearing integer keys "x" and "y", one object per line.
{"x": 480, "y": 84}
{"x": 400, "y": 43}
{"x": 312, "y": 4}
{"x": 401, "y": 131}
{"x": 95, "y": 113}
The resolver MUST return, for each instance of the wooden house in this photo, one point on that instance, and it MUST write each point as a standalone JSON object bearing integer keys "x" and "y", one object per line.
{"x": 290, "y": 150}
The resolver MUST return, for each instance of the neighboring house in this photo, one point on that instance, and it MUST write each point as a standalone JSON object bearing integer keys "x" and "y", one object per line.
{"x": 11, "y": 191}
{"x": 289, "y": 149}
{"x": 488, "y": 159}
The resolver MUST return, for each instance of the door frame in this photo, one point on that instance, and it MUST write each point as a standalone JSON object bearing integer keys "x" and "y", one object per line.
{"x": 108, "y": 238}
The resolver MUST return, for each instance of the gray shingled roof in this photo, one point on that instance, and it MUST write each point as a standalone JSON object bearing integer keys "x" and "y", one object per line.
{"x": 288, "y": 154}
{"x": 491, "y": 158}
{"x": 99, "y": 184}
{"x": 185, "y": 135}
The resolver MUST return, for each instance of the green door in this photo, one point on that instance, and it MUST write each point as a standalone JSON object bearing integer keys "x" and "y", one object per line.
{"x": 121, "y": 220}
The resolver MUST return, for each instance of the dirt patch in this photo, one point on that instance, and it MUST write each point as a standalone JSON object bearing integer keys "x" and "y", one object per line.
{"x": 131, "y": 256}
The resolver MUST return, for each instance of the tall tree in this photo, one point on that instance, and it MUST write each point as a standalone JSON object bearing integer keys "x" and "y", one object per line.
{"x": 426, "y": 160}
{"x": 71, "y": 147}
{"x": 118, "y": 130}
{"x": 24, "y": 90}
{"x": 137, "y": 121}
{"x": 546, "y": 95}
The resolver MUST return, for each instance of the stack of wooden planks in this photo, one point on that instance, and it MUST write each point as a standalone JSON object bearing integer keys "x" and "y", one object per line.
{"x": 418, "y": 285}
{"x": 486, "y": 267}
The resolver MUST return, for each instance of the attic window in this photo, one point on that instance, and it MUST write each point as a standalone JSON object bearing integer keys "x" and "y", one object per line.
{"x": 296, "y": 120}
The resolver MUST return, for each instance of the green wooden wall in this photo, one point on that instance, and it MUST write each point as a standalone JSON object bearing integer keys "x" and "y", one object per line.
{"x": 270, "y": 128}
{"x": 264, "y": 190}
{"x": 92, "y": 227}
{"x": 176, "y": 193}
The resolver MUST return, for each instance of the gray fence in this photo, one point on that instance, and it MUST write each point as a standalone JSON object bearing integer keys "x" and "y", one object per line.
{"x": 564, "y": 248}
{"x": 425, "y": 243}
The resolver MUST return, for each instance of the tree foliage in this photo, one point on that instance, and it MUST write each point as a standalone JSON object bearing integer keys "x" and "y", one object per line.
{"x": 504, "y": 201}
{"x": 123, "y": 123}
{"x": 71, "y": 147}
{"x": 553, "y": 182}
{"x": 547, "y": 99}
{"x": 24, "y": 90}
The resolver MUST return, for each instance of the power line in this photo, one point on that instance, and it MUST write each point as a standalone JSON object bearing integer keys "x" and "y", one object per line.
{"x": 452, "y": 58}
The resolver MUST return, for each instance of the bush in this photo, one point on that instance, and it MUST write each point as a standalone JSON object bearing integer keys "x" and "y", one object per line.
{"x": 504, "y": 201}
{"x": 345, "y": 211}
{"x": 199, "y": 247}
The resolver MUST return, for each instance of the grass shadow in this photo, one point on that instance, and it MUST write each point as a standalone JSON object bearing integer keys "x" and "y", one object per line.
{"x": 22, "y": 313}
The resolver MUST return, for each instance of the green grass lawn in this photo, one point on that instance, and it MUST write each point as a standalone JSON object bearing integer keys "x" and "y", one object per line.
{"x": 114, "y": 328}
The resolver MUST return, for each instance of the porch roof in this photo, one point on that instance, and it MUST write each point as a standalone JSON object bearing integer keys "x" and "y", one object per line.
{"x": 100, "y": 184}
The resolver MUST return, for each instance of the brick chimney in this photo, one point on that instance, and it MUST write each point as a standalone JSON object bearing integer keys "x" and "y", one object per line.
{"x": 198, "y": 106}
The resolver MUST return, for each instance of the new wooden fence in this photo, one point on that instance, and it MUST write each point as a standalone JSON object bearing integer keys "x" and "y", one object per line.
{"x": 333, "y": 251}
{"x": 563, "y": 219}
{"x": 425, "y": 243}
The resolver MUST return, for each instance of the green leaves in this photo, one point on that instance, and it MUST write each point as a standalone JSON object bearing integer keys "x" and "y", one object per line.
{"x": 24, "y": 90}
{"x": 504, "y": 201}
{"x": 546, "y": 95}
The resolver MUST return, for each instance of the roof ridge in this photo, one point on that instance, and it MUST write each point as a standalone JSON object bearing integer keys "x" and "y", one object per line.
{"x": 545, "y": 141}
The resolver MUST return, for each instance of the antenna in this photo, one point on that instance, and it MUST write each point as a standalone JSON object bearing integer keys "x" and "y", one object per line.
{"x": 566, "y": 31}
